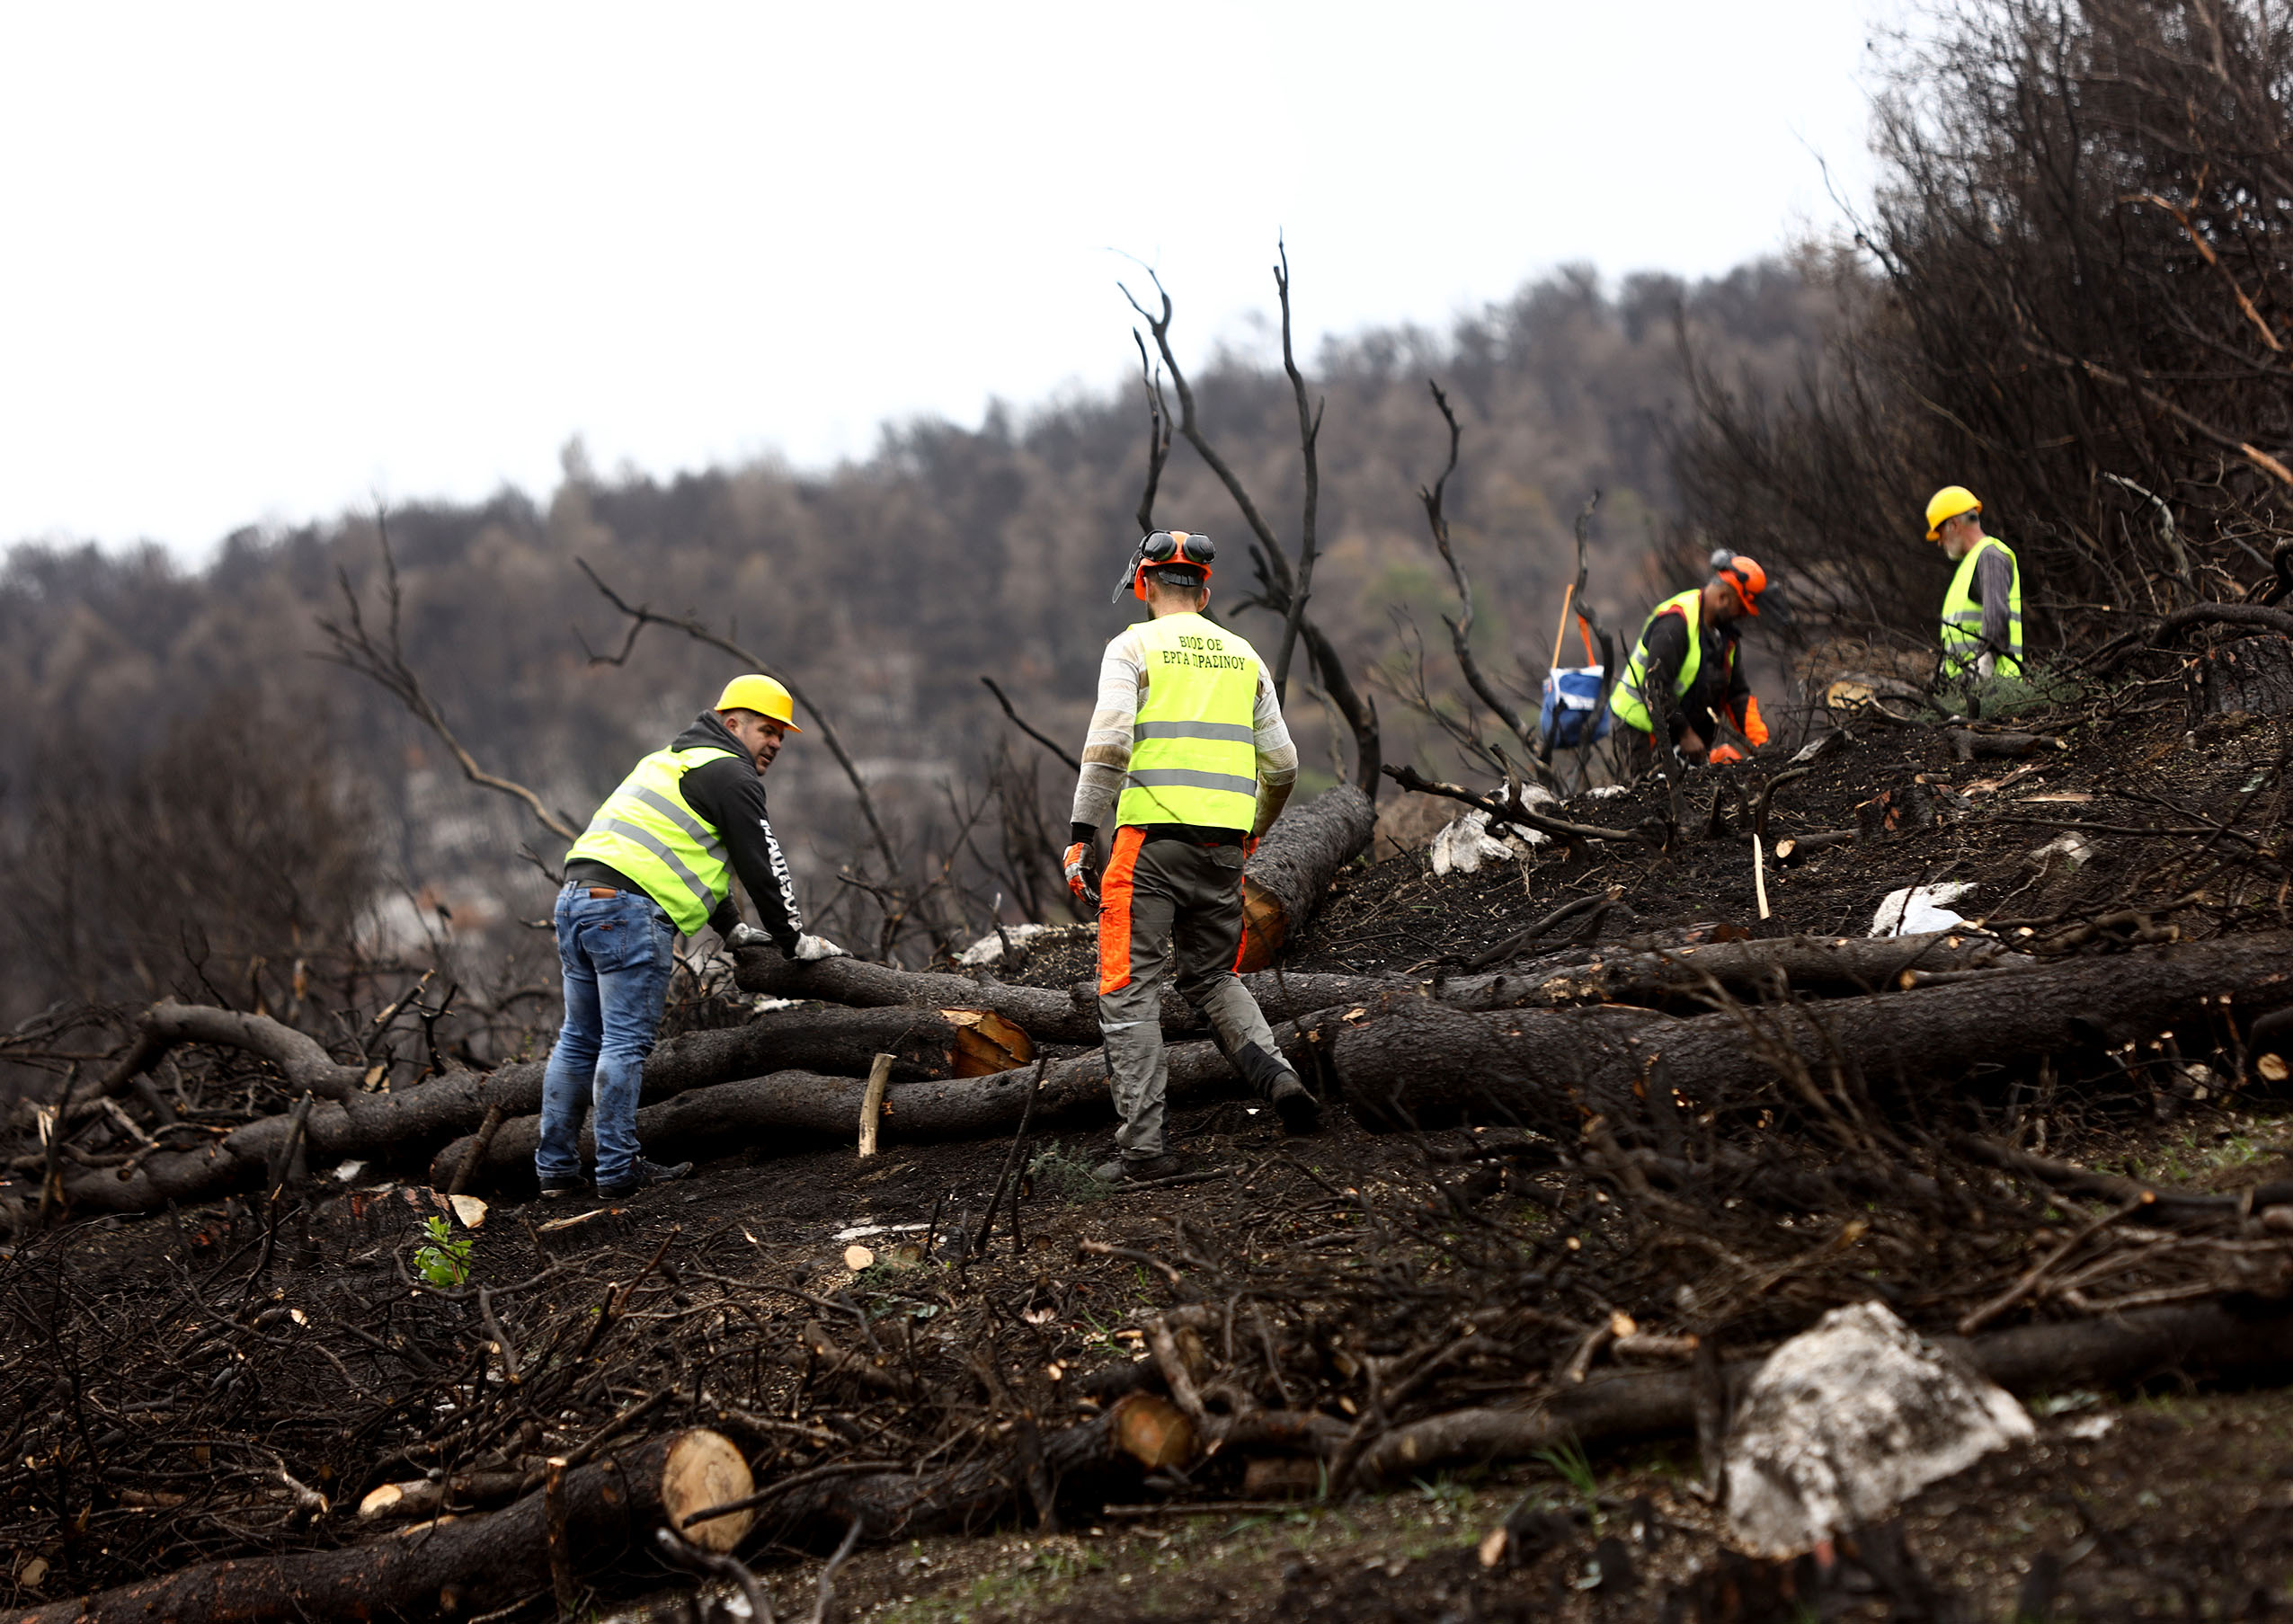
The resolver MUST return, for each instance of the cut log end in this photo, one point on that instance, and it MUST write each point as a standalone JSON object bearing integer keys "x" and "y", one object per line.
{"x": 1152, "y": 1431}
{"x": 704, "y": 1468}
{"x": 1265, "y": 926}
{"x": 986, "y": 1043}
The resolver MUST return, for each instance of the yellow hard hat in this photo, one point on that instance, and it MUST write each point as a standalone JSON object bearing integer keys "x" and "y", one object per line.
{"x": 1948, "y": 503}
{"x": 761, "y": 694}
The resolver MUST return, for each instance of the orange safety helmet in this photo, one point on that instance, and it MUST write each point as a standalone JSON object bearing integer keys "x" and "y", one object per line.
{"x": 1743, "y": 573}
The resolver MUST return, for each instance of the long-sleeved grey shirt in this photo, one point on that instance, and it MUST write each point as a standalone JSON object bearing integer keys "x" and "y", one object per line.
{"x": 1106, "y": 751}
{"x": 1993, "y": 587}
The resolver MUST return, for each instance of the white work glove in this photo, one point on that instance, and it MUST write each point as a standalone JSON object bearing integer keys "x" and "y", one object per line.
{"x": 811, "y": 949}
{"x": 745, "y": 934}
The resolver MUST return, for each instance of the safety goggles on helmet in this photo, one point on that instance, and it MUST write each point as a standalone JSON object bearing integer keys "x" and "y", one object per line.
{"x": 1175, "y": 551}
{"x": 1742, "y": 573}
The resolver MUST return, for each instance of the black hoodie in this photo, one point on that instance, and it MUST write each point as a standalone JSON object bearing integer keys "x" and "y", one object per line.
{"x": 728, "y": 795}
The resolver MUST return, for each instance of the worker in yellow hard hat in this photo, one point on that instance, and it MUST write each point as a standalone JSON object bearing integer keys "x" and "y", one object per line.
{"x": 658, "y": 860}
{"x": 1684, "y": 670}
{"x": 1982, "y": 612}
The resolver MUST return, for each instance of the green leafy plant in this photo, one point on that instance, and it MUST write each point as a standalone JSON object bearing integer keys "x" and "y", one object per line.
{"x": 444, "y": 1261}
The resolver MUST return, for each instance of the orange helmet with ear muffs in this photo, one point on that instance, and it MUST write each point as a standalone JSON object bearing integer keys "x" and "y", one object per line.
{"x": 1742, "y": 573}
{"x": 1177, "y": 551}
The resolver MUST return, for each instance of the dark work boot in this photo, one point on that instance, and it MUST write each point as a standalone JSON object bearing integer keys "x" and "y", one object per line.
{"x": 1278, "y": 1086}
{"x": 1134, "y": 1169}
{"x": 555, "y": 1186}
{"x": 641, "y": 1175}
{"x": 1294, "y": 1103}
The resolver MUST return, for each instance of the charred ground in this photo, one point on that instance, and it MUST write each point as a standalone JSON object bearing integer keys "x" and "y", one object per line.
{"x": 230, "y": 1379}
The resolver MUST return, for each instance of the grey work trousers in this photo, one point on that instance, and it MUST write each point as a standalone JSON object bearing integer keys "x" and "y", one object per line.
{"x": 1159, "y": 899}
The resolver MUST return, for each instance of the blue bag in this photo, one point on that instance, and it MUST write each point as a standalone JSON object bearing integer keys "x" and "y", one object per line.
{"x": 1573, "y": 715}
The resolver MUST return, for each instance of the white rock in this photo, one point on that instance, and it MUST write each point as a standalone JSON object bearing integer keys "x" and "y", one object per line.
{"x": 1847, "y": 1421}
{"x": 1467, "y": 844}
{"x": 989, "y": 949}
{"x": 2071, "y": 851}
{"x": 1916, "y": 909}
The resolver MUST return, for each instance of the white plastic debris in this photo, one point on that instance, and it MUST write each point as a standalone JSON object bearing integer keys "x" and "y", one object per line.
{"x": 1916, "y": 909}
{"x": 989, "y": 949}
{"x": 2071, "y": 852}
{"x": 1467, "y": 844}
{"x": 863, "y": 1230}
{"x": 348, "y": 1170}
{"x": 1846, "y": 1422}
{"x": 1608, "y": 792}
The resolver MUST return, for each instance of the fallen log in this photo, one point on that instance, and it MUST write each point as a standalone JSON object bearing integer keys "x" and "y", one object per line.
{"x": 1286, "y": 878}
{"x": 1410, "y": 1063}
{"x": 1761, "y": 970}
{"x": 925, "y": 1043}
{"x": 452, "y": 1566}
{"x": 2209, "y": 1339}
{"x": 1079, "y": 1464}
{"x": 1283, "y": 883}
{"x": 798, "y": 1106}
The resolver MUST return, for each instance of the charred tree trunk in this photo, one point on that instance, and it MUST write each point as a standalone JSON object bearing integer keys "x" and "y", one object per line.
{"x": 2208, "y": 1340}
{"x": 1290, "y": 873}
{"x": 453, "y": 1568}
{"x": 801, "y": 1104}
{"x": 1410, "y": 1063}
{"x": 926, "y": 1043}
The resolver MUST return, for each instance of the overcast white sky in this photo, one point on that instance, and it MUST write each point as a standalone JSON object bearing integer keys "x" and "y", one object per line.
{"x": 262, "y": 261}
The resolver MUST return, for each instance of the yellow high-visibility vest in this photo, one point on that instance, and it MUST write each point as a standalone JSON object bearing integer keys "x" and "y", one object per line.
{"x": 1628, "y": 700}
{"x": 1963, "y": 619}
{"x": 645, "y": 831}
{"x": 1193, "y": 748}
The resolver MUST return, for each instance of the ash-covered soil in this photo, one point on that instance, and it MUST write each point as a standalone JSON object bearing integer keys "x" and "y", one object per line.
{"x": 233, "y": 1379}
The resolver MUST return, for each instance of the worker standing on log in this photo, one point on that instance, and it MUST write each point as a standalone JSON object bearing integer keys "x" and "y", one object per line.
{"x": 659, "y": 858}
{"x": 1685, "y": 669}
{"x": 1982, "y": 612}
{"x": 1188, "y": 731}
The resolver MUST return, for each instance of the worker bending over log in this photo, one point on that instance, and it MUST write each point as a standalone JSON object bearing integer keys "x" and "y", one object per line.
{"x": 657, "y": 858}
{"x": 1982, "y": 611}
{"x": 1188, "y": 731}
{"x": 1684, "y": 675}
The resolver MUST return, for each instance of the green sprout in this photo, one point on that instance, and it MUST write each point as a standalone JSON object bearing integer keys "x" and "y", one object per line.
{"x": 445, "y": 1261}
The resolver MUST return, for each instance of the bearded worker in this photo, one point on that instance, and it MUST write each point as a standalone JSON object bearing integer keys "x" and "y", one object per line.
{"x": 1188, "y": 749}
{"x": 659, "y": 858}
{"x": 1982, "y": 611}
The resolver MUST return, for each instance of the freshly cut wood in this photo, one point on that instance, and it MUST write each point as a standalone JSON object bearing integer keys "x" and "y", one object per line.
{"x": 427, "y": 1497}
{"x": 1153, "y": 1431}
{"x": 1407, "y": 1062}
{"x": 1795, "y": 849}
{"x": 871, "y": 1108}
{"x": 454, "y": 1568}
{"x": 797, "y": 1106}
{"x": 986, "y": 1043}
{"x": 1289, "y": 874}
{"x": 2205, "y": 1340}
{"x": 1088, "y": 1462}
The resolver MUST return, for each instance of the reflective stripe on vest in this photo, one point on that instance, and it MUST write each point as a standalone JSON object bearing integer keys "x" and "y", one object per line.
{"x": 1963, "y": 618}
{"x": 1193, "y": 748}
{"x": 1626, "y": 701}
{"x": 645, "y": 831}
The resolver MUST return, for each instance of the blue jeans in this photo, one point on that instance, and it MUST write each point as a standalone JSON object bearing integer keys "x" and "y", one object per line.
{"x": 615, "y": 953}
